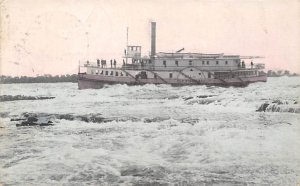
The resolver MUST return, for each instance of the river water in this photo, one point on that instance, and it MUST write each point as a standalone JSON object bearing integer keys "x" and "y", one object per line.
{"x": 153, "y": 135}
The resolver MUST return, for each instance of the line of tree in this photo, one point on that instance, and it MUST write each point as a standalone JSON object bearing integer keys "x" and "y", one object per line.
{"x": 39, "y": 79}
{"x": 279, "y": 73}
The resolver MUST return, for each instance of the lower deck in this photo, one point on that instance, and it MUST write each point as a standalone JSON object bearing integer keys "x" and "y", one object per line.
{"x": 188, "y": 76}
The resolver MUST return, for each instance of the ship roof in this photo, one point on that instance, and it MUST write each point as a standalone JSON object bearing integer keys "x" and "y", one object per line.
{"x": 193, "y": 55}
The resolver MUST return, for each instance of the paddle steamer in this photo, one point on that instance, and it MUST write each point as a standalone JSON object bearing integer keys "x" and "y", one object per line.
{"x": 177, "y": 69}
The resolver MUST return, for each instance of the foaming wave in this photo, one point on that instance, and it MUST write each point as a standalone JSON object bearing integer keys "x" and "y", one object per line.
{"x": 291, "y": 106}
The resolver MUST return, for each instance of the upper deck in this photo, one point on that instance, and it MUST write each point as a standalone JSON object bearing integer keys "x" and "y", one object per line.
{"x": 177, "y": 61}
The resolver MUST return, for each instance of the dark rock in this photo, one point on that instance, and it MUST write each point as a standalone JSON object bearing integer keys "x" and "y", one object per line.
{"x": 45, "y": 124}
{"x": 188, "y": 98}
{"x": 202, "y": 96}
{"x": 106, "y": 120}
{"x": 97, "y": 119}
{"x": 65, "y": 116}
{"x": 45, "y": 98}
{"x": 156, "y": 119}
{"x": 263, "y": 107}
{"x": 205, "y": 96}
{"x": 84, "y": 118}
{"x": 21, "y": 97}
{"x": 278, "y": 102}
{"x": 275, "y": 108}
{"x": 148, "y": 120}
{"x": 131, "y": 172}
{"x": 32, "y": 119}
{"x": 17, "y": 119}
{"x": 26, "y": 115}
{"x": 37, "y": 118}
{"x": 25, "y": 123}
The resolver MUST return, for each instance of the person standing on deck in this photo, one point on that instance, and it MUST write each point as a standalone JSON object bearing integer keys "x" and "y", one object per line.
{"x": 111, "y": 63}
{"x": 251, "y": 64}
{"x": 115, "y": 63}
{"x": 243, "y": 64}
{"x": 98, "y": 62}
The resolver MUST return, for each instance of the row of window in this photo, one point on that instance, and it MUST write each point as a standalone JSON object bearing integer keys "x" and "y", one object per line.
{"x": 121, "y": 73}
{"x": 134, "y": 48}
{"x": 191, "y": 63}
{"x": 245, "y": 73}
{"x": 233, "y": 74}
{"x": 111, "y": 73}
{"x": 171, "y": 75}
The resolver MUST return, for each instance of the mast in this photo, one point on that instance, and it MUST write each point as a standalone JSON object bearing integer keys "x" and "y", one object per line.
{"x": 126, "y": 45}
{"x": 79, "y": 67}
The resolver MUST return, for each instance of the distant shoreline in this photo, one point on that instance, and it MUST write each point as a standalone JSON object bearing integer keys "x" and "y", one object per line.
{"x": 1, "y": 83}
{"x": 39, "y": 79}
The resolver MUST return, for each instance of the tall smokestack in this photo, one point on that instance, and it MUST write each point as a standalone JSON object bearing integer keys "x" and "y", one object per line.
{"x": 153, "y": 39}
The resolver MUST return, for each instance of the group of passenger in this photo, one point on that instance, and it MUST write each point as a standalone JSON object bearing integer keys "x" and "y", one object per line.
{"x": 243, "y": 64}
{"x": 113, "y": 63}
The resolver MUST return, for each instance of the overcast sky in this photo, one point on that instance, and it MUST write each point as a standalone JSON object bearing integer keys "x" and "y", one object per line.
{"x": 52, "y": 36}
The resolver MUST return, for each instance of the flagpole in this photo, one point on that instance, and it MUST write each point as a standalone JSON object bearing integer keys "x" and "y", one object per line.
{"x": 126, "y": 45}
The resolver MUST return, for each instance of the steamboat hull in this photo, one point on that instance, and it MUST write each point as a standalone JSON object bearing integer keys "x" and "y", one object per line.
{"x": 89, "y": 81}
